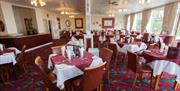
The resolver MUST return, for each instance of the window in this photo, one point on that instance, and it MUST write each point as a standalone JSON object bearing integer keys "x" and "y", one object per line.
{"x": 128, "y": 23}
{"x": 157, "y": 20}
{"x": 178, "y": 31}
{"x": 138, "y": 21}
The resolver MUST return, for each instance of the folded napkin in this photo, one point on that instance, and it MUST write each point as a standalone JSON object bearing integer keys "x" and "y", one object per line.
{"x": 81, "y": 52}
{"x": 111, "y": 39}
{"x": 96, "y": 61}
{"x": 166, "y": 50}
{"x": 73, "y": 39}
{"x": 81, "y": 42}
{"x": 162, "y": 47}
{"x": 132, "y": 39}
{"x": 1, "y": 47}
{"x": 63, "y": 48}
{"x": 68, "y": 54}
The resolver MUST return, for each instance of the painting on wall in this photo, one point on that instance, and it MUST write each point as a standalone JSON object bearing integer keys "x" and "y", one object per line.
{"x": 108, "y": 22}
{"x": 79, "y": 23}
{"x": 28, "y": 23}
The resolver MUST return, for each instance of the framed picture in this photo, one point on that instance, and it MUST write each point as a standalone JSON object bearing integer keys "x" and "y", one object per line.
{"x": 107, "y": 22}
{"x": 78, "y": 23}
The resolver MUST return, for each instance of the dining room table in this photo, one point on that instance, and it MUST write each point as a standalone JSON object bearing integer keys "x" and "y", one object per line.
{"x": 7, "y": 56}
{"x": 133, "y": 46}
{"x": 66, "y": 69}
{"x": 160, "y": 63}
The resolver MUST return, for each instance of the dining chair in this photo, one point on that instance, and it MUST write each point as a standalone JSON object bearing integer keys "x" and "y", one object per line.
{"x": 178, "y": 44}
{"x": 96, "y": 41}
{"x": 173, "y": 53}
{"x": 116, "y": 56}
{"x": 106, "y": 55}
{"x": 21, "y": 65}
{"x": 4, "y": 72}
{"x": 91, "y": 80}
{"x": 49, "y": 77}
{"x": 135, "y": 66}
{"x": 145, "y": 37}
{"x": 168, "y": 40}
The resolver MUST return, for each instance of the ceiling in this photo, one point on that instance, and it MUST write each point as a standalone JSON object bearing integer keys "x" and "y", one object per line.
{"x": 131, "y": 5}
{"x": 98, "y": 6}
{"x": 56, "y": 5}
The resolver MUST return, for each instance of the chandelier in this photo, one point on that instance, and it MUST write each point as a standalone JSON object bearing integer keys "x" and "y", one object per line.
{"x": 145, "y": 1}
{"x": 38, "y": 2}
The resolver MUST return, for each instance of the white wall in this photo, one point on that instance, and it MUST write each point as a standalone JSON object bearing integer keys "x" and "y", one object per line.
{"x": 41, "y": 16}
{"x": 20, "y": 13}
{"x": 9, "y": 19}
{"x": 97, "y": 22}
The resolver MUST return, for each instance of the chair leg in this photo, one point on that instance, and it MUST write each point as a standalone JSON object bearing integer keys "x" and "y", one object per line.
{"x": 127, "y": 71}
{"x": 151, "y": 80}
{"x": 134, "y": 82}
{"x": 108, "y": 75}
{"x": 156, "y": 82}
{"x": 7, "y": 74}
{"x": 47, "y": 89}
{"x": 2, "y": 77}
{"x": 100, "y": 87}
{"x": 175, "y": 85}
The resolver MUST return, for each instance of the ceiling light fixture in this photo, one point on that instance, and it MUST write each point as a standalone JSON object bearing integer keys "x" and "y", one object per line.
{"x": 71, "y": 16}
{"x": 145, "y": 1}
{"x": 122, "y": 10}
{"x": 38, "y": 2}
{"x": 111, "y": 15}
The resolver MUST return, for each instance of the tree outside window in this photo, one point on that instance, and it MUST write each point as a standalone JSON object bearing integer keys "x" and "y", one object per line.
{"x": 157, "y": 20}
{"x": 138, "y": 21}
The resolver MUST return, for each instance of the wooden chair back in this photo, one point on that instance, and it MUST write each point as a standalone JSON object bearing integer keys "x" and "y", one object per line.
{"x": 40, "y": 64}
{"x": 106, "y": 55}
{"x": 133, "y": 63}
{"x": 92, "y": 78}
{"x": 113, "y": 47}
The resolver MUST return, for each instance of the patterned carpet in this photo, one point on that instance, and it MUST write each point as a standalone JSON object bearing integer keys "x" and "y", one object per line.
{"x": 32, "y": 80}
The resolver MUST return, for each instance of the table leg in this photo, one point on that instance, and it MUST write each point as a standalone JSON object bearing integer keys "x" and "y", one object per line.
{"x": 156, "y": 82}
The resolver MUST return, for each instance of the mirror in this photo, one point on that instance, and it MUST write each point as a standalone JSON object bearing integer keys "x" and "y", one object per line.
{"x": 68, "y": 23}
{"x": 2, "y": 26}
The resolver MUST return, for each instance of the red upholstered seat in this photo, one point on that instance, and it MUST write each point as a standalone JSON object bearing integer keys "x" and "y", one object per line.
{"x": 91, "y": 79}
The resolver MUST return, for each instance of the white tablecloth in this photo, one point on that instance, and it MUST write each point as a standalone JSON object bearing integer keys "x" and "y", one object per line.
{"x": 65, "y": 72}
{"x": 7, "y": 58}
{"x": 160, "y": 66}
{"x": 16, "y": 50}
{"x": 131, "y": 47}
